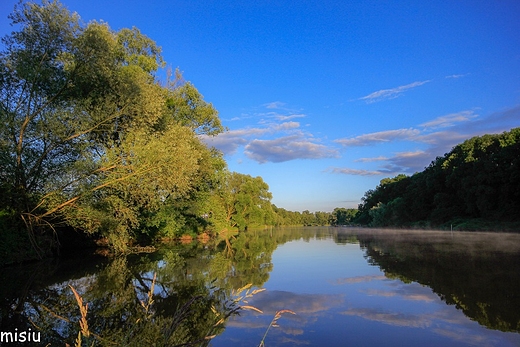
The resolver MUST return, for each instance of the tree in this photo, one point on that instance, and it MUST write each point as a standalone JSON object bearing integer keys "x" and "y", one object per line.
{"x": 308, "y": 218}
{"x": 244, "y": 200}
{"x": 476, "y": 180}
{"x": 53, "y": 72}
{"x": 187, "y": 107}
{"x": 90, "y": 139}
{"x": 322, "y": 218}
{"x": 342, "y": 216}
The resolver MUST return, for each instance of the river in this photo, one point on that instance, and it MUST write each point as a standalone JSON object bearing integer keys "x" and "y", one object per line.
{"x": 311, "y": 286}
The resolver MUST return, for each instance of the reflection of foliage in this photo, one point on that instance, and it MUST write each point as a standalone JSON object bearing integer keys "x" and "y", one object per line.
{"x": 174, "y": 296}
{"x": 221, "y": 265}
{"x": 128, "y": 306}
{"x": 192, "y": 282}
{"x": 251, "y": 258}
{"x": 478, "y": 276}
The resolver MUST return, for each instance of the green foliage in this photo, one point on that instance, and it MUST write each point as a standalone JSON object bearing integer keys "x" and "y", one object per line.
{"x": 283, "y": 217}
{"x": 342, "y": 216}
{"x": 242, "y": 201}
{"x": 91, "y": 140}
{"x": 477, "y": 180}
{"x": 378, "y": 215}
{"x": 187, "y": 106}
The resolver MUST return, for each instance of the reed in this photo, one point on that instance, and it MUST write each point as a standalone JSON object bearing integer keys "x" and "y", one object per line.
{"x": 83, "y": 324}
{"x": 239, "y": 301}
{"x": 274, "y": 324}
{"x": 248, "y": 293}
{"x": 146, "y": 305}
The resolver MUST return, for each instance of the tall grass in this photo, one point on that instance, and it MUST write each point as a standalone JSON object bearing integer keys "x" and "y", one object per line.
{"x": 274, "y": 324}
{"x": 240, "y": 301}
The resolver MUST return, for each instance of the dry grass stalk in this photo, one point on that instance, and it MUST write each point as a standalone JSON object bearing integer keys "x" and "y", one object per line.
{"x": 274, "y": 324}
{"x": 236, "y": 305}
{"x": 83, "y": 324}
{"x": 149, "y": 302}
{"x": 247, "y": 294}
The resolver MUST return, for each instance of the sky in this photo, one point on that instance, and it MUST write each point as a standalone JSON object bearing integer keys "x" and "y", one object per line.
{"x": 323, "y": 99}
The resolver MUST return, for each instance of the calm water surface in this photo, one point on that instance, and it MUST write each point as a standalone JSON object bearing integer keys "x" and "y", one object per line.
{"x": 346, "y": 286}
{"x": 384, "y": 288}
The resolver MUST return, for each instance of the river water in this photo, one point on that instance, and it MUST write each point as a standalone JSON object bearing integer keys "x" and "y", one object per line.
{"x": 329, "y": 286}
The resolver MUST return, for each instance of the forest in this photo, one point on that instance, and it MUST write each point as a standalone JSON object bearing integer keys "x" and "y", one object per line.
{"x": 476, "y": 186}
{"x": 94, "y": 145}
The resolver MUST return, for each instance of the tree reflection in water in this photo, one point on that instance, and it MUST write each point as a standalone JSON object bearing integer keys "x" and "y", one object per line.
{"x": 477, "y": 272}
{"x": 195, "y": 284}
{"x": 193, "y": 290}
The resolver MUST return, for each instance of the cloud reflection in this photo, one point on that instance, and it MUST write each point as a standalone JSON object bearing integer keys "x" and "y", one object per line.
{"x": 293, "y": 342}
{"x": 360, "y": 279}
{"x": 291, "y": 328}
{"x": 443, "y": 321}
{"x": 391, "y": 318}
{"x": 411, "y": 292}
{"x": 303, "y": 304}
{"x": 462, "y": 336}
{"x": 308, "y": 307}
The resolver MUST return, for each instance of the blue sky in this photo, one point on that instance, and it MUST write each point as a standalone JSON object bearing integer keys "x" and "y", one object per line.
{"x": 323, "y": 99}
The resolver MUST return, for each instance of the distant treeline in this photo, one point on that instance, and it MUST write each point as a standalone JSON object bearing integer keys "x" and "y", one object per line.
{"x": 474, "y": 186}
{"x": 340, "y": 216}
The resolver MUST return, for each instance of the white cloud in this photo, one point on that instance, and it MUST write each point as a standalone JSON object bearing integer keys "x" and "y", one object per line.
{"x": 295, "y": 145}
{"x": 392, "y": 93}
{"x": 409, "y": 161}
{"x": 285, "y": 126}
{"x": 494, "y": 123}
{"x": 401, "y": 162}
{"x": 370, "y": 160}
{"x": 274, "y": 105}
{"x": 462, "y": 126}
{"x": 291, "y": 116}
{"x": 287, "y": 148}
{"x": 378, "y": 137}
{"x": 442, "y": 138}
{"x": 229, "y": 141}
{"x": 457, "y": 76}
{"x": 450, "y": 119}
{"x": 356, "y": 172}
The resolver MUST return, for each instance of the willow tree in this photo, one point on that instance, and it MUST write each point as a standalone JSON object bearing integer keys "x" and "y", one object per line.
{"x": 241, "y": 201}
{"x": 89, "y": 136}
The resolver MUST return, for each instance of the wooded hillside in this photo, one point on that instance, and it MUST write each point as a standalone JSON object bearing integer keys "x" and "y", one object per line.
{"x": 476, "y": 184}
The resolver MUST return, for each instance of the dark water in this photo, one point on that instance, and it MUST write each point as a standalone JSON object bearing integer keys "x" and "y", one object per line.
{"x": 346, "y": 287}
